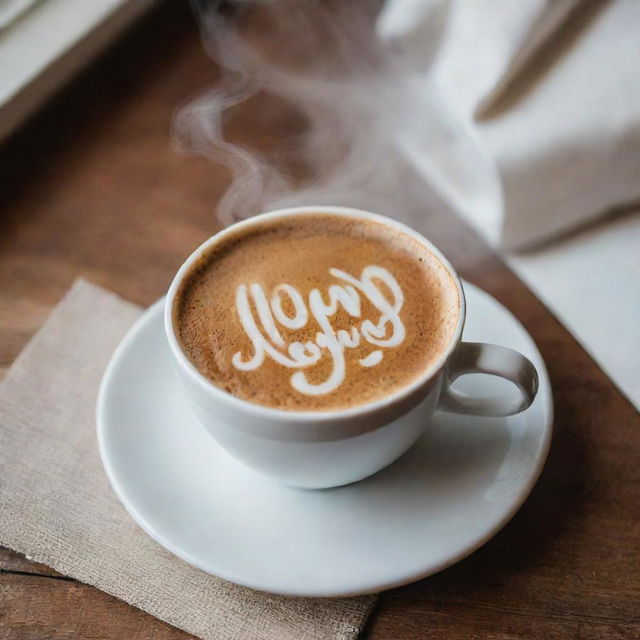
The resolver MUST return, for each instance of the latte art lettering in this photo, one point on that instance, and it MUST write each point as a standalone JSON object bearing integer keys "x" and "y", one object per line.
{"x": 387, "y": 331}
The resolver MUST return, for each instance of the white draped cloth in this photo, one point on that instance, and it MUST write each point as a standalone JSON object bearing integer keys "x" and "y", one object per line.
{"x": 549, "y": 92}
{"x": 11, "y": 10}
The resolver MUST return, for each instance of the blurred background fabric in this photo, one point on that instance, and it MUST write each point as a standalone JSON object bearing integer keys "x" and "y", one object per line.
{"x": 549, "y": 91}
{"x": 11, "y": 10}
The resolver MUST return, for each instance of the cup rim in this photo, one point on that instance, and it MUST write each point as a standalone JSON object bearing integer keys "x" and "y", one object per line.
{"x": 292, "y": 416}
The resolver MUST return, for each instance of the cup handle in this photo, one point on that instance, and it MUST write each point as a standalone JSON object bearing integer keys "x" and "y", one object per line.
{"x": 478, "y": 357}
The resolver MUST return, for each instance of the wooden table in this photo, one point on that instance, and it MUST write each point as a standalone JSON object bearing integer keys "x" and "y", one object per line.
{"x": 92, "y": 188}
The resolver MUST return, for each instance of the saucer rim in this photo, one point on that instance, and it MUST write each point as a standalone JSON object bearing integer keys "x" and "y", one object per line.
{"x": 156, "y": 309}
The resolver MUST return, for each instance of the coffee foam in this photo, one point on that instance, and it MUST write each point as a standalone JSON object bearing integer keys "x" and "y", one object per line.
{"x": 315, "y": 311}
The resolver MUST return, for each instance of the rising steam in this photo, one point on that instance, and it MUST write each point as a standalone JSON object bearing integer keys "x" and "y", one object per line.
{"x": 364, "y": 119}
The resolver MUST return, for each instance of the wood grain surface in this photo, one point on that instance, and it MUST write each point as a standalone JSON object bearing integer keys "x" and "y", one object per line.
{"x": 92, "y": 188}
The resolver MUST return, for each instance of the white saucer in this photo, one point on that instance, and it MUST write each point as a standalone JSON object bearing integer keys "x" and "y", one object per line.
{"x": 448, "y": 495}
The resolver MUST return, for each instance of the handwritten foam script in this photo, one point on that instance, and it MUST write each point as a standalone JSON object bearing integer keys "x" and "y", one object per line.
{"x": 261, "y": 316}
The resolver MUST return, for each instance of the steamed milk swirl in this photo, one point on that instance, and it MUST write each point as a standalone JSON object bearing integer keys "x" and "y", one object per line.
{"x": 266, "y": 340}
{"x": 316, "y": 312}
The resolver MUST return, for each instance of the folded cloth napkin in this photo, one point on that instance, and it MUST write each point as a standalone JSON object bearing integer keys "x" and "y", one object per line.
{"x": 56, "y": 505}
{"x": 550, "y": 93}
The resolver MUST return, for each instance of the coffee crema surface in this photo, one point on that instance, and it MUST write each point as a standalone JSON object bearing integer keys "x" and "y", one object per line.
{"x": 315, "y": 312}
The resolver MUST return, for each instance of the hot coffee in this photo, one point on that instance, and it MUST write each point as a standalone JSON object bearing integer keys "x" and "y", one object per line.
{"x": 315, "y": 312}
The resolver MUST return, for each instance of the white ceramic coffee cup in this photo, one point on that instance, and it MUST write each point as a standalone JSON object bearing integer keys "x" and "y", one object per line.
{"x": 319, "y": 449}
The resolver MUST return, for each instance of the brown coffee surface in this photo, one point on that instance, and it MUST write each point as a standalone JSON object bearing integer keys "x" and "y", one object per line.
{"x": 300, "y": 252}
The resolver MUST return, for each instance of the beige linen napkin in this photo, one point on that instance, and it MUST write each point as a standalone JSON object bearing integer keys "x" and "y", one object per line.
{"x": 57, "y": 507}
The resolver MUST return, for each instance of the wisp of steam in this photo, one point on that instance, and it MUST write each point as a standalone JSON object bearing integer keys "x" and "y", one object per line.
{"x": 365, "y": 130}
